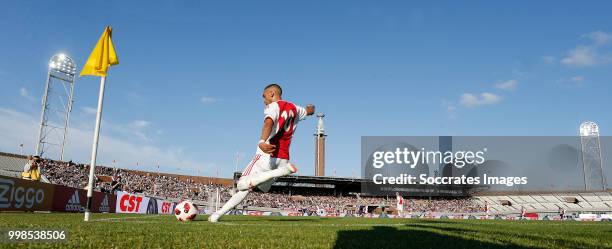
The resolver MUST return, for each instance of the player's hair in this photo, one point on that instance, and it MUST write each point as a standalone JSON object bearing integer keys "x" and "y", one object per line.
{"x": 280, "y": 90}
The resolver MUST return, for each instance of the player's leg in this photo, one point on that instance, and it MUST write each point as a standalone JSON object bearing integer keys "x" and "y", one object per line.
{"x": 265, "y": 186}
{"x": 284, "y": 168}
{"x": 236, "y": 199}
{"x": 259, "y": 164}
{"x": 239, "y": 196}
{"x": 253, "y": 167}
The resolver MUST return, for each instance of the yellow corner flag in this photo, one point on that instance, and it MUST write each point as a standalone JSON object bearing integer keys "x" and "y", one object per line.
{"x": 102, "y": 56}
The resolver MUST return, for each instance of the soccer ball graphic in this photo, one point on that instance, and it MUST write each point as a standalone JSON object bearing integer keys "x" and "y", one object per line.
{"x": 185, "y": 211}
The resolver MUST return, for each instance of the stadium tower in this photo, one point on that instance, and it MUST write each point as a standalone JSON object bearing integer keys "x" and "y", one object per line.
{"x": 320, "y": 147}
{"x": 56, "y": 106}
{"x": 592, "y": 165}
{"x": 445, "y": 143}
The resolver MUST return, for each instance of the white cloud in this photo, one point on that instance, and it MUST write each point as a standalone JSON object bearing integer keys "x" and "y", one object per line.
{"x": 450, "y": 108}
{"x": 549, "y": 59}
{"x": 135, "y": 129}
{"x": 139, "y": 128}
{"x": 140, "y": 124}
{"x": 135, "y": 98}
{"x": 589, "y": 55}
{"x": 209, "y": 100}
{"x": 599, "y": 37}
{"x": 507, "y": 85}
{"x": 89, "y": 110}
{"x": 17, "y": 127}
{"x": 518, "y": 73}
{"x": 576, "y": 81}
{"x": 24, "y": 93}
{"x": 472, "y": 100}
{"x": 581, "y": 56}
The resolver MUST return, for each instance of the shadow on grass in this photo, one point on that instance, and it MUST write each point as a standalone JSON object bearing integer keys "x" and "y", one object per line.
{"x": 391, "y": 237}
{"x": 489, "y": 232}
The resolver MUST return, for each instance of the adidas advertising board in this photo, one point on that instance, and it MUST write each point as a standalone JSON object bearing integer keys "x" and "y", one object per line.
{"x": 74, "y": 203}
{"x": 69, "y": 199}
{"x": 104, "y": 206}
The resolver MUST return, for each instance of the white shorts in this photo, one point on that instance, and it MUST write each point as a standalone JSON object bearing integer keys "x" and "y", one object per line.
{"x": 400, "y": 208}
{"x": 263, "y": 162}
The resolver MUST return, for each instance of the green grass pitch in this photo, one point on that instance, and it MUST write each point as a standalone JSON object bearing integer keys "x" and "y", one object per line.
{"x": 157, "y": 231}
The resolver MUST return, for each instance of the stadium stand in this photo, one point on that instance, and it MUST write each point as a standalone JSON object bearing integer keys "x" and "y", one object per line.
{"x": 304, "y": 193}
{"x": 541, "y": 202}
{"x": 11, "y": 164}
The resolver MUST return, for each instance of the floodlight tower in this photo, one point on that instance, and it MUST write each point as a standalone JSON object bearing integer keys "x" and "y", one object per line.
{"x": 57, "y": 103}
{"x": 592, "y": 165}
{"x": 320, "y": 147}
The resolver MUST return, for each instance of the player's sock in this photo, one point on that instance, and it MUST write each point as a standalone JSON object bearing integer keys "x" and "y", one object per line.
{"x": 236, "y": 199}
{"x": 254, "y": 180}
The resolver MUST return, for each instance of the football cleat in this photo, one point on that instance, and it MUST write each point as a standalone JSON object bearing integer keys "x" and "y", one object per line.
{"x": 214, "y": 218}
{"x": 292, "y": 168}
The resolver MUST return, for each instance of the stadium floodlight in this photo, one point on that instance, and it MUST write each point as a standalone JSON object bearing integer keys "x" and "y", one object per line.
{"x": 57, "y": 103}
{"x": 592, "y": 164}
{"x": 62, "y": 64}
{"x": 589, "y": 129}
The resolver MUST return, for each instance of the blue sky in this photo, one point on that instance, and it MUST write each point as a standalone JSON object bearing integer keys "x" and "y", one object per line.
{"x": 187, "y": 90}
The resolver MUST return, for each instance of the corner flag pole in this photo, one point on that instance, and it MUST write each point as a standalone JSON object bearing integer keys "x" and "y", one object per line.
{"x": 101, "y": 58}
{"x": 94, "y": 150}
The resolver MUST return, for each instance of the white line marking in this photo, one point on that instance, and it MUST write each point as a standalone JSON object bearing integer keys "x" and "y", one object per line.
{"x": 128, "y": 218}
{"x": 310, "y": 225}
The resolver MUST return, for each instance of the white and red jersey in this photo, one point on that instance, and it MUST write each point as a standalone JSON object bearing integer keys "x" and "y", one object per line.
{"x": 285, "y": 115}
{"x": 400, "y": 204}
{"x": 400, "y": 200}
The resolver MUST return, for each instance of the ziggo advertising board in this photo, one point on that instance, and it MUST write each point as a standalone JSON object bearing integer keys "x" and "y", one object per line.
{"x": 23, "y": 195}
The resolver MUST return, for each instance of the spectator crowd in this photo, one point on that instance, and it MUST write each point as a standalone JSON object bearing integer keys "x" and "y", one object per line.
{"x": 110, "y": 179}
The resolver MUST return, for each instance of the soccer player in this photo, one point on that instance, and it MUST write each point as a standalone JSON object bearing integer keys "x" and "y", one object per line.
{"x": 272, "y": 157}
{"x": 400, "y": 204}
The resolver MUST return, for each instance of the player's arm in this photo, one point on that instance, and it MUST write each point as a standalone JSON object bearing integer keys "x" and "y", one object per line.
{"x": 265, "y": 133}
{"x": 304, "y": 112}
